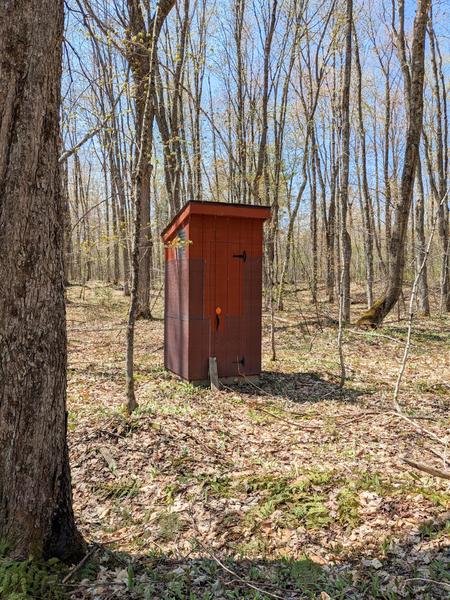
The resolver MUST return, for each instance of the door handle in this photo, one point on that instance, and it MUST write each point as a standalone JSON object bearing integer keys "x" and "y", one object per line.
{"x": 243, "y": 256}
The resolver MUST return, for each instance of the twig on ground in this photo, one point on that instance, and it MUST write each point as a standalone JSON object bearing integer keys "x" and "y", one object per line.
{"x": 427, "y": 469}
{"x": 78, "y": 566}
{"x": 438, "y": 455}
{"x": 246, "y": 582}
{"x": 432, "y": 435}
{"x": 441, "y": 583}
{"x": 373, "y": 334}
{"x": 288, "y": 421}
{"x": 361, "y": 416}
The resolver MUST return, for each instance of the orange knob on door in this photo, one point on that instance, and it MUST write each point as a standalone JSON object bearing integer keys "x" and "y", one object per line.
{"x": 218, "y": 313}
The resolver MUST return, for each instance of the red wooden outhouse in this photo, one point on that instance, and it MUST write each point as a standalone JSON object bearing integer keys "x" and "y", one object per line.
{"x": 213, "y": 289}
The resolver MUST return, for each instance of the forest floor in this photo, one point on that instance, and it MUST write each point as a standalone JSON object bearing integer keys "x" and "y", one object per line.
{"x": 291, "y": 489}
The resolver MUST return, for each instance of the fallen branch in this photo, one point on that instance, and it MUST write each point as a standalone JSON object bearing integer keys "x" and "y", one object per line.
{"x": 430, "y": 434}
{"x": 427, "y": 469}
{"x": 433, "y": 581}
{"x": 78, "y": 566}
{"x": 440, "y": 456}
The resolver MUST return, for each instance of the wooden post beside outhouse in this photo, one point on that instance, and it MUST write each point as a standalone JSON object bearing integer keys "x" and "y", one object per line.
{"x": 213, "y": 289}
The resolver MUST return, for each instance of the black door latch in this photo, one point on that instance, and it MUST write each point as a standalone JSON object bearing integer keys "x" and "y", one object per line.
{"x": 239, "y": 362}
{"x": 243, "y": 256}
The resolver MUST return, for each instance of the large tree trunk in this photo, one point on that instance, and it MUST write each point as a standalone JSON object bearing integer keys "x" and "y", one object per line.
{"x": 141, "y": 66}
{"x": 35, "y": 491}
{"x": 143, "y": 157}
{"x": 383, "y": 305}
{"x": 386, "y": 176}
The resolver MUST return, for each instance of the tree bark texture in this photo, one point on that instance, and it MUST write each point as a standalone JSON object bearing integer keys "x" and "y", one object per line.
{"x": 141, "y": 55}
{"x": 422, "y": 284}
{"x": 145, "y": 96}
{"x": 346, "y": 245}
{"x": 36, "y": 514}
{"x": 366, "y": 207}
{"x": 440, "y": 98}
{"x": 383, "y": 305}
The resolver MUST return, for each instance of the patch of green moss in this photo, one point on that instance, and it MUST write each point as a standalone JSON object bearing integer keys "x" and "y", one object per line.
{"x": 417, "y": 488}
{"x": 372, "y": 317}
{"x": 215, "y": 486}
{"x": 441, "y": 389}
{"x": 170, "y": 525}
{"x": 31, "y": 579}
{"x": 348, "y": 506}
{"x": 120, "y": 489}
{"x": 304, "y": 573}
{"x": 435, "y": 529}
{"x": 373, "y": 482}
{"x": 299, "y": 501}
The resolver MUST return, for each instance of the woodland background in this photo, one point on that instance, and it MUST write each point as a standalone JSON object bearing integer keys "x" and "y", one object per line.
{"x": 327, "y": 479}
{"x": 247, "y": 107}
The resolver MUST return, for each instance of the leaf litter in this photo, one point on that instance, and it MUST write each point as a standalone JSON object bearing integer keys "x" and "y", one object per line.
{"x": 292, "y": 488}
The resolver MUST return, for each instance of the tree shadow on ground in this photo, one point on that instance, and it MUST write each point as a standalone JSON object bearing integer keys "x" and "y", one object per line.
{"x": 417, "y": 335}
{"x": 417, "y": 567}
{"x": 308, "y": 325}
{"x": 298, "y": 387}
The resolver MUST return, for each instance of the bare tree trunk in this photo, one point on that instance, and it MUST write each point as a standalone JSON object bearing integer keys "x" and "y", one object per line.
{"x": 440, "y": 98}
{"x": 367, "y": 202}
{"x": 119, "y": 189}
{"x": 199, "y": 62}
{"x": 142, "y": 175}
{"x": 331, "y": 229}
{"x": 108, "y": 188}
{"x": 265, "y": 101}
{"x": 78, "y": 261}
{"x": 381, "y": 307}
{"x": 387, "y": 181}
{"x": 241, "y": 137}
{"x": 68, "y": 248}
{"x": 36, "y": 515}
{"x": 169, "y": 115}
{"x": 376, "y": 213}
{"x": 422, "y": 283}
{"x": 313, "y": 221}
{"x": 115, "y": 233}
{"x": 140, "y": 53}
{"x": 346, "y": 246}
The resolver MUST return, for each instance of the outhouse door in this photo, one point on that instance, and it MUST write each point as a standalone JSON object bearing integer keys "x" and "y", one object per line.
{"x": 227, "y": 325}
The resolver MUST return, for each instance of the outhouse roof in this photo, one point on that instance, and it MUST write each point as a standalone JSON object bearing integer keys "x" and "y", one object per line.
{"x": 219, "y": 209}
